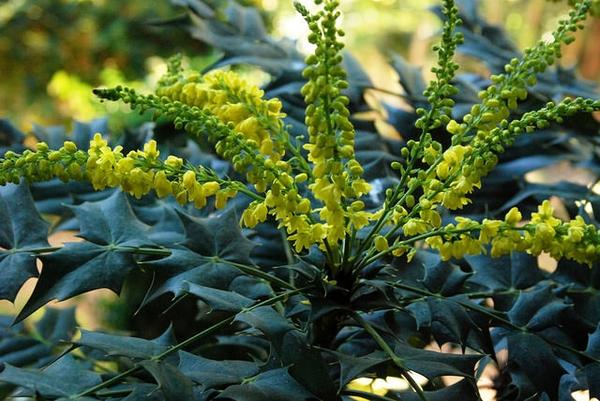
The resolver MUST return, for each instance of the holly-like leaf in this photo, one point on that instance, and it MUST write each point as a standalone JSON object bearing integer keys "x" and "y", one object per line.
{"x": 57, "y": 325}
{"x": 211, "y": 373}
{"x": 219, "y": 300}
{"x": 217, "y": 236}
{"x": 528, "y": 353}
{"x": 352, "y": 367}
{"x": 202, "y": 257}
{"x": 104, "y": 261}
{"x": 538, "y": 309}
{"x": 111, "y": 222}
{"x": 517, "y": 270}
{"x": 64, "y": 378}
{"x": 272, "y": 385}
{"x": 448, "y": 320}
{"x": 171, "y": 381}
{"x": 433, "y": 364}
{"x": 114, "y": 345}
{"x": 22, "y": 231}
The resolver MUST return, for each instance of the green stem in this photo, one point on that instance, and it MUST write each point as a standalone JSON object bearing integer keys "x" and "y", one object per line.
{"x": 253, "y": 271}
{"x": 390, "y": 352}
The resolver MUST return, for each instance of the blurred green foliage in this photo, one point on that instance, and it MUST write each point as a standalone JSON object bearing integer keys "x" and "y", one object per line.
{"x": 85, "y": 41}
{"x": 52, "y": 52}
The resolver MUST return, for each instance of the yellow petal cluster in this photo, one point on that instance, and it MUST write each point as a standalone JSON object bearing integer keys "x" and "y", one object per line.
{"x": 544, "y": 232}
{"x": 233, "y": 100}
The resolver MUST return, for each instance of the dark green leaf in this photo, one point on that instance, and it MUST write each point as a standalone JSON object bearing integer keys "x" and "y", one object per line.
{"x": 518, "y": 270}
{"x": 433, "y": 364}
{"x": 171, "y": 381}
{"x": 211, "y": 373}
{"x": 538, "y": 309}
{"x": 272, "y": 385}
{"x": 131, "y": 347}
{"x": 22, "y": 230}
{"x": 63, "y": 378}
{"x": 111, "y": 222}
{"x": 217, "y": 236}
{"x": 77, "y": 268}
{"x": 220, "y": 300}
{"x": 352, "y": 367}
{"x": 529, "y": 353}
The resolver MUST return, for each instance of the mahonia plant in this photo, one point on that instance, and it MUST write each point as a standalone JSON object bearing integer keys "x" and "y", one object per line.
{"x": 318, "y": 198}
{"x": 314, "y": 189}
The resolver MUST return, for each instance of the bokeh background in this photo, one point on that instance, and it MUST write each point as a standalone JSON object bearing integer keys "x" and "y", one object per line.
{"x": 52, "y": 52}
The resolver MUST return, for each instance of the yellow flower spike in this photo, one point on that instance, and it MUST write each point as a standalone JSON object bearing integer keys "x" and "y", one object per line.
{"x": 70, "y": 147}
{"x": 200, "y": 201}
{"x": 443, "y": 170}
{"x": 304, "y": 206}
{"x": 221, "y": 199}
{"x": 454, "y": 127}
{"x": 267, "y": 147}
{"x": 397, "y": 252}
{"x": 181, "y": 197}
{"x": 414, "y": 227}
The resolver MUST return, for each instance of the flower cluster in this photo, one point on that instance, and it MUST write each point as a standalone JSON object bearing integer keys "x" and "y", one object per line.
{"x": 136, "y": 173}
{"x": 337, "y": 174}
{"x": 282, "y": 197}
{"x": 574, "y": 239}
{"x": 317, "y": 199}
{"x": 232, "y": 100}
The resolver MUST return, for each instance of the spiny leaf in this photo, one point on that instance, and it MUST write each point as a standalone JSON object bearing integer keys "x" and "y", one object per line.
{"x": 538, "y": 309}
{"x": 111, "y": 222}
{"x": 171, "y": 381}
{"x": 114, "y": 345}
{"x": 201, "y": 258}
{"x": 433, "y": 364}
{"x": 110, "y": 228}
{"x": 272, "y": 385}
{"x": 464, "y": 390}
{"x": 517, "y": 270}
{"x": 77, "y": 268}
{"x": 352, "y": 367}
{"x": 65, "y": 377}
{"x": 22, "y": 230}
{"x": 217, "y": 236}
{"x": 211, "y": 373}
{"x": 220, "y": 300}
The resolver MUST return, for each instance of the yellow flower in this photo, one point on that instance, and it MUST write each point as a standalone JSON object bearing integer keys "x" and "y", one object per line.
{"x": 381, "y": 243}
{"x": 513, "y": 216}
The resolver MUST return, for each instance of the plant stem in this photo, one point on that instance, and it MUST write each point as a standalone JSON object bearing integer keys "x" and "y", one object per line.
{"x": 390, "y": 352}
